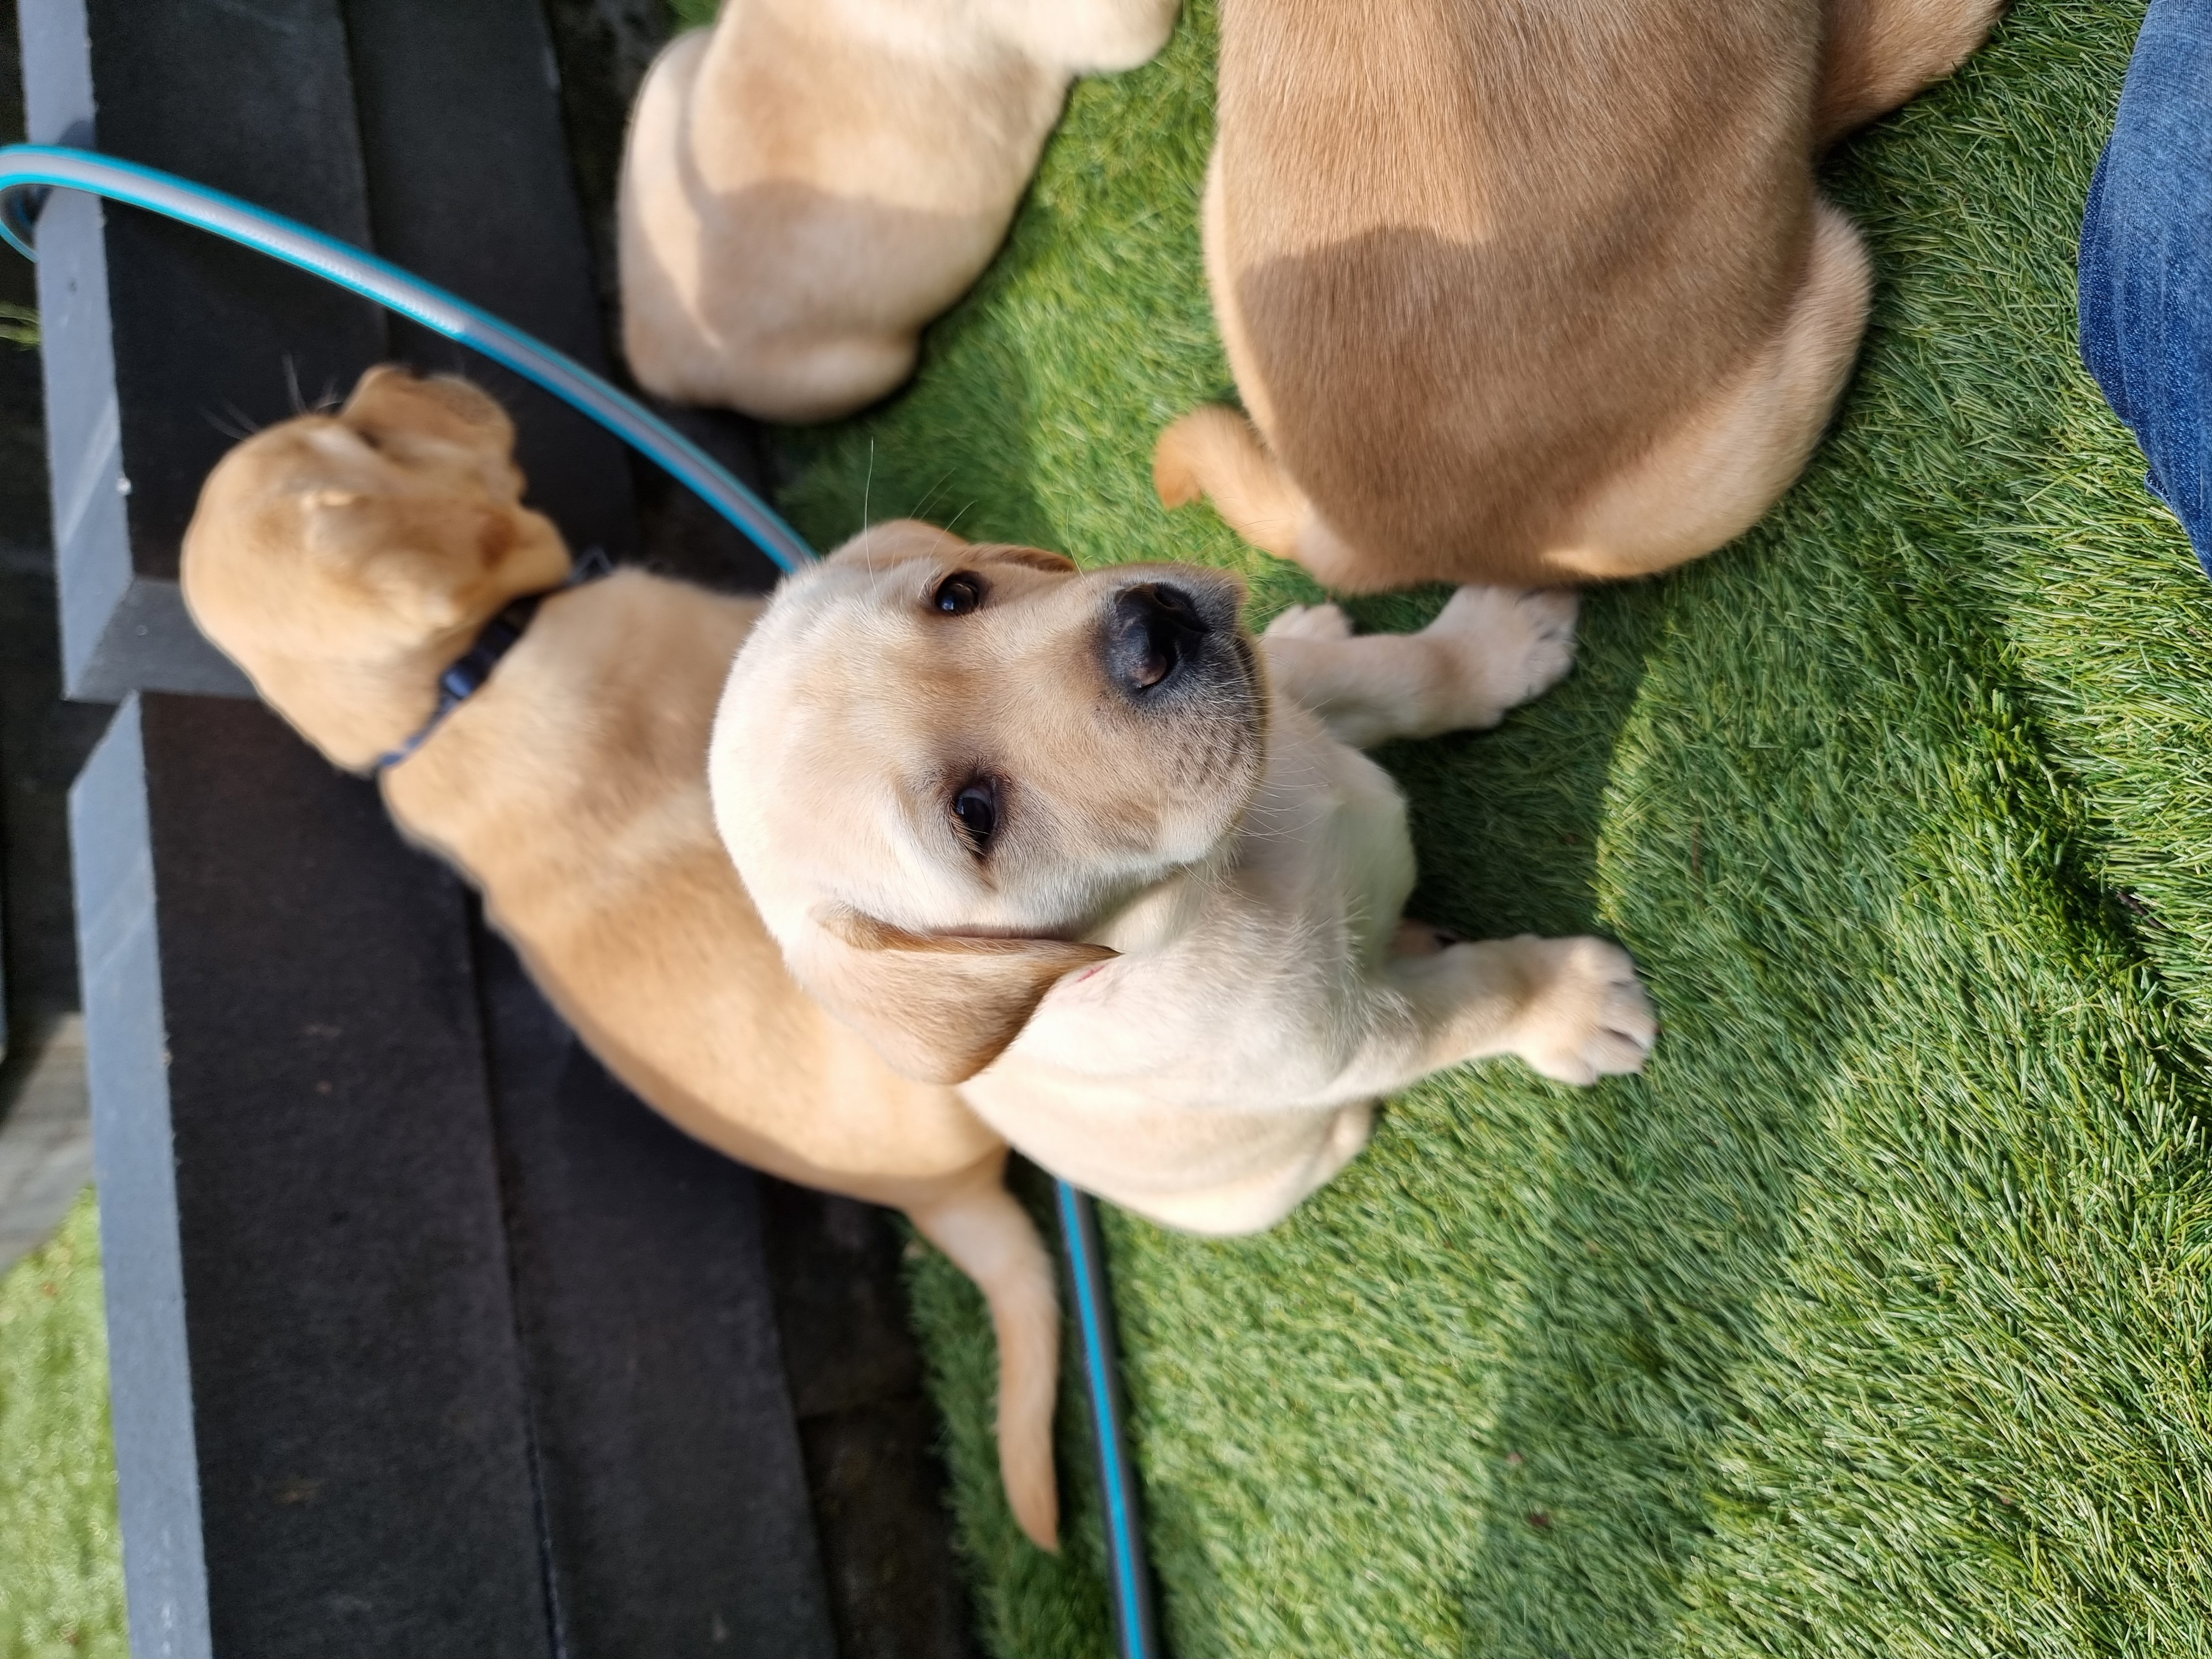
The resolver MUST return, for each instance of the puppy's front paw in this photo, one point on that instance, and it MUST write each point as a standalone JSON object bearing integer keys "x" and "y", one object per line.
{"x": 1508, "y": 644}
{"x": 1310, "y": 622}
{"x": 1588, "y": 1016}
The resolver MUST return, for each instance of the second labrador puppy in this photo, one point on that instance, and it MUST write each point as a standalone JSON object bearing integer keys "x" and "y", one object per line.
{"x": 1532, "y": 291}
{"x": 1079, "y": 845}
{"x": 347, "y": 562}
{"x": 810, "y": 181}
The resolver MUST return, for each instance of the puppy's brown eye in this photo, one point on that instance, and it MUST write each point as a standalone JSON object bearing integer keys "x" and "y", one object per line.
{"x": 976, "y": 807}
{"x": 958, "y": 593}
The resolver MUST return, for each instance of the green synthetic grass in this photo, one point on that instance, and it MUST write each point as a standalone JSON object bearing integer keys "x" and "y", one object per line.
{"x": 61, "y": 1575}
{"x": 1873, "y": 1320}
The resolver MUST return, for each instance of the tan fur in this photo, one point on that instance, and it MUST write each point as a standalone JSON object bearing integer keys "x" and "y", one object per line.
{"x": 1879, "y": 53}
{"x": 1521, "y": 291}
{"x": 1220, "y": 871}
{"x": 571, "y": 789}
{"x": 809, "y": 182}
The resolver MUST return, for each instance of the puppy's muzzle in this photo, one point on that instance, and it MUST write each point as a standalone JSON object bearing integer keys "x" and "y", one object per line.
{"x": 1159, "y": 636}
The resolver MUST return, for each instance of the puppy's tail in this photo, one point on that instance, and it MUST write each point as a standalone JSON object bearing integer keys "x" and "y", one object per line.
{"x": 990, "y": 1238}
{"x": 1214, "y": 451}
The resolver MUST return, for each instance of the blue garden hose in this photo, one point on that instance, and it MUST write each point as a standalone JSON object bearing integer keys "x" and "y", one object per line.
{"x": 29, "y": 171}
{"x": 1128, "y": 1578}
{"x": 25, "y": 169}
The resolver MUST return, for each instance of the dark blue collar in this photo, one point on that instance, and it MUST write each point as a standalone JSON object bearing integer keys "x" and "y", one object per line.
{"x": 499, "y": 636}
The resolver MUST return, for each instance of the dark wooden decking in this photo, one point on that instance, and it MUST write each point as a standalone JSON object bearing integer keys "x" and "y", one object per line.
{"x": 427, "y": 1337}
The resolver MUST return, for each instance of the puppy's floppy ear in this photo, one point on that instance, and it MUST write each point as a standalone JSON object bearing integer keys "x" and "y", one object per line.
{"x": 429, "y": 558}
{"x": 938, "y": 1007}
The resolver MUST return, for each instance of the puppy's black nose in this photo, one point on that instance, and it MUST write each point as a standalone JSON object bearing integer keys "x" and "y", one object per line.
{"x": 1154, "y": 629}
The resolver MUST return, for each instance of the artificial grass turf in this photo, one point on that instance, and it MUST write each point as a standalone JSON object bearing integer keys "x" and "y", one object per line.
{"x": 1875, "y": 1317}
{"x": 61, "y": 1576}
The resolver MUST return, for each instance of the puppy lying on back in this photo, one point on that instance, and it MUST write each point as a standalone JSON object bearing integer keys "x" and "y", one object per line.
{"x": 810, "y": 181}
{"x": 1076, "y": 844}
{"x": 344, "y": 561}
{"x": 1532, "y": 291}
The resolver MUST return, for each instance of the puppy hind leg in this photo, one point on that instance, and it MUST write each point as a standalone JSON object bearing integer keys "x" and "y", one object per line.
{"x": 1879, "y": 53}
{"x": 1214, "y": 452}
{"x": 1348, "y": 1134}
{"x": 990, "y": 1238}
{"x": 1714, "y": 477}
{"x": 1257, "y": 1203}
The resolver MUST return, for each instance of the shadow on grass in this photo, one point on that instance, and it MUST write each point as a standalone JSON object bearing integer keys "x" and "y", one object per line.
{"x": 1606, "y": 1422}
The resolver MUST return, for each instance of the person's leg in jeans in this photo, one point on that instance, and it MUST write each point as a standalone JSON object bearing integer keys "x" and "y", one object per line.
{"x": 2146, "y": 269}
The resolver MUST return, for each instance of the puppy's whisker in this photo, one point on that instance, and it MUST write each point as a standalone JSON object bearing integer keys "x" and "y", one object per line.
{"x": 238, "y": 427}
{"x": 961, "y": 514}
{"x": 921, "y": 507}
{"x": 867, "y": 484}
{"x": 292, "y": 385}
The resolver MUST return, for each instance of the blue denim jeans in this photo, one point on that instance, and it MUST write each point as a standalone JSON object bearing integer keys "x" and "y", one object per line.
{"x": 2146, "y": 269}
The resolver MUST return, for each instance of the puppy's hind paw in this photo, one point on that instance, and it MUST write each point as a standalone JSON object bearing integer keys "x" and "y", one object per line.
{"x": 1509, "y": 644}
{"x": 1187, "y": 450}
{"x": 1591, "y": 1020}
{"x": 1310, "y": 622}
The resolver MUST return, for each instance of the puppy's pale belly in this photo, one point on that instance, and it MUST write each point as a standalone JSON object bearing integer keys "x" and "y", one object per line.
{"x": 1211, "y": 1084}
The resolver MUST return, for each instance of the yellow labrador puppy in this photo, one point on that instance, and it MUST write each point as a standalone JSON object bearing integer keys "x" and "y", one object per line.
{"x": 1532, "y": 291}
{"x": 809, "y": 181}
{"x": 1076, "y": 844}
{"x": 346, "y": 563}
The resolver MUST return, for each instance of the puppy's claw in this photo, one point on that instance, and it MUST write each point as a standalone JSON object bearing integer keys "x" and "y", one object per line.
{"x": 1310, "y": 622}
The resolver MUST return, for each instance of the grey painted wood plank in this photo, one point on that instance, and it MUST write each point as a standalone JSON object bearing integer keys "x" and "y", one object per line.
{"x": 162, "y": 343}
{"x": 156, "y": 1460}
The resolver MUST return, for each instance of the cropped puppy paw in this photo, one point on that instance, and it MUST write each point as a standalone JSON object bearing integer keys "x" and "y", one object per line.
{"x": 1588, "y": 1016}
{"x": 1310, "y": 622}
{"x": 1506, "y": 644}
